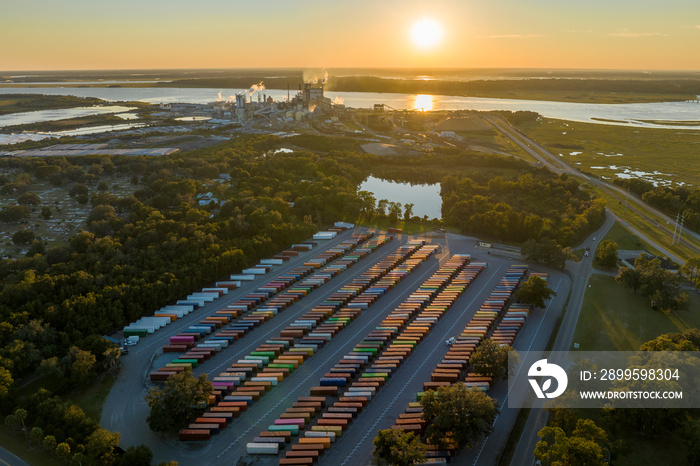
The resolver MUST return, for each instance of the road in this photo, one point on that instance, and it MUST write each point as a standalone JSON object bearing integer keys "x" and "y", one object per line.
{"x": 355, "y": 446}
{"x": 125, "y": 410}
{"x": 582, "y": 270}
{"x": 557, "y": 165}
{"x": 9, "y": 459}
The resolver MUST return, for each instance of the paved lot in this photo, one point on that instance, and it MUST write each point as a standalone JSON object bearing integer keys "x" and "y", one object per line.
{"x": 125, "y": 410}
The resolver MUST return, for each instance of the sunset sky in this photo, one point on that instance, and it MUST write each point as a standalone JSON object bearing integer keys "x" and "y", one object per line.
{"x": 130, "y": 34}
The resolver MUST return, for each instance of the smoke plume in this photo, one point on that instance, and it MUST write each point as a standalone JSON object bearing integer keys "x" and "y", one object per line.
{"x": 256, "y": 87}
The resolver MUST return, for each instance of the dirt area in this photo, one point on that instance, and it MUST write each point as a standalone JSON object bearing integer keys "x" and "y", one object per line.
{"x": 379, "y": 148}
{"x": 459, "y": 124}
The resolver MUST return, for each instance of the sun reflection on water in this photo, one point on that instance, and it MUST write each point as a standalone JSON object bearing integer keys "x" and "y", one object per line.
{"x": 423, "y": 102}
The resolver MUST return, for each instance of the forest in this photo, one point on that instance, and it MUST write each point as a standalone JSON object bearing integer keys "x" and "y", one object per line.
{"x": 682, "y": 200}
{"x": 140, "y": 252}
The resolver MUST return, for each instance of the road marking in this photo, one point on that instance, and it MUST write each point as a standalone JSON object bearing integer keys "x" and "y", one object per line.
{"x": 248, "y": 287}
{"x": 389, "y": 307}
{"x": 505, "y": 399}
{"x": 307, "y": 306}
{"x": 415, "y": 372}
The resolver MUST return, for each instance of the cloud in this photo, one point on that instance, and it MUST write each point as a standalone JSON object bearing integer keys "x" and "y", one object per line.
{"x": 581, "y": 31}
{"x": 634, "y": 35}
{"x": 510, "y": 36}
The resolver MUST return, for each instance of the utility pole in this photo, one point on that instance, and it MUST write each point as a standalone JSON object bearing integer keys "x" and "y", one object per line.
{"x": 675, "y": 229}
{"x": 680, "y": 231}
{"x": 627, "y": 198}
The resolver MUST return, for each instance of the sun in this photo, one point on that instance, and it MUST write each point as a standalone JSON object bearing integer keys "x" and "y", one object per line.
{"x": 426, "y": 33}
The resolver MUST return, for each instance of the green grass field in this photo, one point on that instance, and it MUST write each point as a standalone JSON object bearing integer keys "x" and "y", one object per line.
{"x": 409, "y": 228}
{"x": 16, "y": 444}
{"x": 625, "y": 239}
{"x": 93, "y": 397}
{"x": 614, "y": 318}
{"x": 673, "y": 154}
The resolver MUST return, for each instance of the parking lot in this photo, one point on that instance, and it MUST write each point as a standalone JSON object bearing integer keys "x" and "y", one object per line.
{"x": 126, "y": 410}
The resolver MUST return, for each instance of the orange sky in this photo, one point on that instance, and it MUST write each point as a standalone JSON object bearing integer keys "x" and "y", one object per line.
{"x": 82, "y": 34}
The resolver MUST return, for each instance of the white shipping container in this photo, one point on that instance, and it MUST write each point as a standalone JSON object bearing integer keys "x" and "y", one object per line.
{"x": 271, "y": 261}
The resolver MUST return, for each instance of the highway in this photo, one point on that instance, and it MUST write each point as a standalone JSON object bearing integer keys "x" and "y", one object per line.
{"x": 556, "y": 165}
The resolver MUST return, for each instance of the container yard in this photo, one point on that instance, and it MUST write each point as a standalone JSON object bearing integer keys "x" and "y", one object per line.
{"x": 314, "y": 349}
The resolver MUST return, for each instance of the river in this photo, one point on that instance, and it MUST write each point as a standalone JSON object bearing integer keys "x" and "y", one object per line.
{"x": 624, "y": 114}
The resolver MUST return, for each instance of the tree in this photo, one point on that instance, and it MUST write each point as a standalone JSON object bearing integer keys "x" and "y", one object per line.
{"x": 36, "y": 435}
{"x": 79, "y": 459}
{"x": 28, "y": 199}
{"x": 394, "y": 211}
{"x": 650, "y": 280}
{"x": 81, "y": 365}
{"x": 37, "y": 247}
{"x": 491, "y": 359}
{"x": 100, "y": 446}
{"x": 408, "y": 211}
{"x": 606, "y": 254}
{"x": 691, "y": 270}
{"x": 534, "y": 291}
{"x": 14, "y": 213}
{"x": 16, "y": 421}
{"x": 23, "y": 237}
{"x": 137, "y": 456}
{"x": 6, "y": 382}
{"x": 49, "y": 444}
{"x": 553, "y": 449}
{"x": 545, "y": 251}
{"x": 381, "y": 207}
{"x": 691, "y": 439}
{"x": 457, "y": 412}
{"x": 172, "y": 406}
{"x": 63, "y": 450}
{"x": 583, "y": 447}
{"x": 45, "y": 213}
{"x": 627, "y": 277}
{"x": 78, "y": 189}
{"x": 398, "y": 448}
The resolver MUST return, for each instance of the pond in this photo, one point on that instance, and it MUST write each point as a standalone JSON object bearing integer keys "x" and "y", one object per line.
{"x": 425, "y": 198}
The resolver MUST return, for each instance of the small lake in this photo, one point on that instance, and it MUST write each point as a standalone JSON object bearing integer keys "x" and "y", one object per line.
{"x": 425, "y": 198}
{"x": 26, "y": 118}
